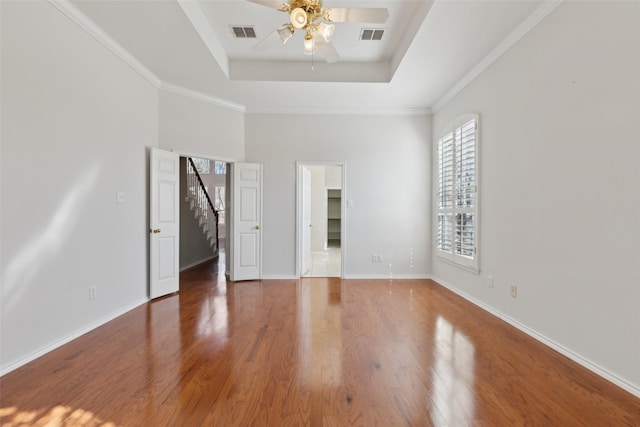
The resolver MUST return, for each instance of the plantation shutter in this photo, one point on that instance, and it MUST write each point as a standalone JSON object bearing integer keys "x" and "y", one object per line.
{"x": 457, "y": 187}
{"x": 445, "y": 193}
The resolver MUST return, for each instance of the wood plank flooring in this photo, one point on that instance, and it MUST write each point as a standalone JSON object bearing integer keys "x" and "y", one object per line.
{"x": 309, "y": 352}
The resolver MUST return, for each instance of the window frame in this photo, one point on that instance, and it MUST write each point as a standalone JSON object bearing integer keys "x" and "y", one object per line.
{"x": 459, "y": 260}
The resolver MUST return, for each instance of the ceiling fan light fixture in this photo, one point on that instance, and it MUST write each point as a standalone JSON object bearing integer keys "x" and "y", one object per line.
{"x": 309, "y": 46}
{"x": 285, "y": 33}
{"x": 299, "y": 18}
{"x": 326, "y": 31}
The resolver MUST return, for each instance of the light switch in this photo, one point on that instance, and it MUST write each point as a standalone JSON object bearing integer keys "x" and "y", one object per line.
{"x": 120, "y": 197}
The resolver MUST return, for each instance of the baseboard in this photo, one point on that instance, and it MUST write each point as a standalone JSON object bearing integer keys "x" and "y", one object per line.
{"x": 193, "y": 264}
{"x": 355, "y": 276}
{"x": 593, "y": 367}
{"x": 387, "y": 276}
{"x": 69, "y": 338}
{"x": 278, "y": 277}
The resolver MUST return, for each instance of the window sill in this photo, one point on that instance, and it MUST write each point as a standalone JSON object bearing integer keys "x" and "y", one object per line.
{"x": 470, "y": 268}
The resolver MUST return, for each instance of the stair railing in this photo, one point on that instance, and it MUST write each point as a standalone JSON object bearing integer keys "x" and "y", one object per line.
{"x": 205, "y": 209}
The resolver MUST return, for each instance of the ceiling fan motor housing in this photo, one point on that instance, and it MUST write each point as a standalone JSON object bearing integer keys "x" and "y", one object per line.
{"x": 309, "y": 9}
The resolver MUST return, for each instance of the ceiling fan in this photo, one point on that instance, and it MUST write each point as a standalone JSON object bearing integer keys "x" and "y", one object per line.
{"x": 309, "y": 16}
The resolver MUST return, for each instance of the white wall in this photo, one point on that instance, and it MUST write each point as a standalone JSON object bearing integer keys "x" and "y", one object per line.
{"x": 559, "y": 184}
{"x": 76, "y": 126}
{"x": 333, "y": 177}
{"x": 197, "y": 128}
{"x": 388, "y": 167}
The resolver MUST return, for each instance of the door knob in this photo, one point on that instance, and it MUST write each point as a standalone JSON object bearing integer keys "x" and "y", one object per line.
{"x": 155, "y": 230}
{"x": 257, "y": 227}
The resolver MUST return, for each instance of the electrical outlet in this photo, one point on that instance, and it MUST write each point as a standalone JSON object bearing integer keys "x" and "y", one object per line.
{"x": 374, "y": 258}
{"x": 514, "y": 291}
{"x": 92, "y": 292}
{"x": 379, "y": 258}
{"x": 490, "y": 281}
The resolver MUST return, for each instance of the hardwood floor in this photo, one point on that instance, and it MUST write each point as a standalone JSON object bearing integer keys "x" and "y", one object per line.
{"x": 310, "y": 352}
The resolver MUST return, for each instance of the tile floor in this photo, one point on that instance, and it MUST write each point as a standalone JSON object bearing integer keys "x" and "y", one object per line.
{"x": 325, "y": 264}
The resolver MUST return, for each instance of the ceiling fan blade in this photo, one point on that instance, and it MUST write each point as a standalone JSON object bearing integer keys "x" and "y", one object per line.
{"x": 275, "y": 4}
{"x": 268, "y": 42}
{"x": 328, "y": 52}
{"x": 371, "y": 15}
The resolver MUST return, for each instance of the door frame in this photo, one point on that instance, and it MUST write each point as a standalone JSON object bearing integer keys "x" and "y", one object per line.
{"x": 343, "y": 211}
{"x": 187, "y": 154}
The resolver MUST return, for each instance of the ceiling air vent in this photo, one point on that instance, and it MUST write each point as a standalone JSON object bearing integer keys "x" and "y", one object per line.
{"x": 371, "y": 34}
{"x": 243, "y": 32}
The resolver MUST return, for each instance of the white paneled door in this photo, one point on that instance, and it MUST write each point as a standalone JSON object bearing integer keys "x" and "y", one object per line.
{"x": 246, "y": 206}
{"x": 306, "y": 221}
{"x": 164, "y": 210}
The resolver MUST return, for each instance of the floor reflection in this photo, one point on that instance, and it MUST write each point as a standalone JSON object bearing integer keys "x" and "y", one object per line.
{"x": 213, "y": 321}
{"x": 320, "y": 332}
{"x": 452, "y": 401}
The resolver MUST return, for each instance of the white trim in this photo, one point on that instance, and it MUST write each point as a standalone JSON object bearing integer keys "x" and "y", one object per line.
{"x": 593, "y": 367}
{"x": 204, "y": 156}
{"x": 199, "y": 96}
{"x": 470, "y": 268}
{"x": 521, "y": 30}
{"x": 452, "y": 258}
{"x": 276, "y": 277}
{"x": 193, "y": 264}
{"x": 388, "y": 276}
{"x": 79, "y": 332}
{"x": 84, "y": 22}
{"x": 343, "y": 111}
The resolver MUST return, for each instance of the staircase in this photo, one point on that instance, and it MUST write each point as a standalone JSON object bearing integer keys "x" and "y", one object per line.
{"x": 201, "y": 205}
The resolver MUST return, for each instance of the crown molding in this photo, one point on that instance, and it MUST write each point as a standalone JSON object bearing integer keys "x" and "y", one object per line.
{"x": 84, "y": 22}
{"x": 355, "y": 111}
{"x": 521, "y": 30}
{"x": 199, "y": 96}
{"x": 88, "y": 25}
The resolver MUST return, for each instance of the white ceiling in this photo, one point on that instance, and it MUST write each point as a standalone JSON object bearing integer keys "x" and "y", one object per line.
{"x": 428, "y": 48}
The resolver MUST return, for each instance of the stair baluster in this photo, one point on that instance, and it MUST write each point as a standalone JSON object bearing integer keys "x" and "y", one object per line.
{"x": 201, "y": 204}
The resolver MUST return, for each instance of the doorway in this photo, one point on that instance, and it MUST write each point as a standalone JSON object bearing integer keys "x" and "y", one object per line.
{"x": 320, "y": 219}
{"x": 195, "y": 245}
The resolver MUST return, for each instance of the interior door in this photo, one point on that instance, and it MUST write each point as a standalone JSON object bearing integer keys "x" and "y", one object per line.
{"x": 246, "y": 216}
{"x": 164, "y": 210}
{"x": 306, "y": 221}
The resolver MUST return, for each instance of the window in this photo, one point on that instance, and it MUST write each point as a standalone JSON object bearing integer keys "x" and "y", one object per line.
{"x": 203, "y": 166}
{"x": 220, "y": 168}
{"x": 457, "y": 193}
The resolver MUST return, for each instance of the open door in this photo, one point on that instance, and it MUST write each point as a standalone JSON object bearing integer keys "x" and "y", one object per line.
{"x": 164, "y": 221}
{"x": 320, "y": 249}
{"x": 246, "y": 220}
{"x": 306, "y": 221}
